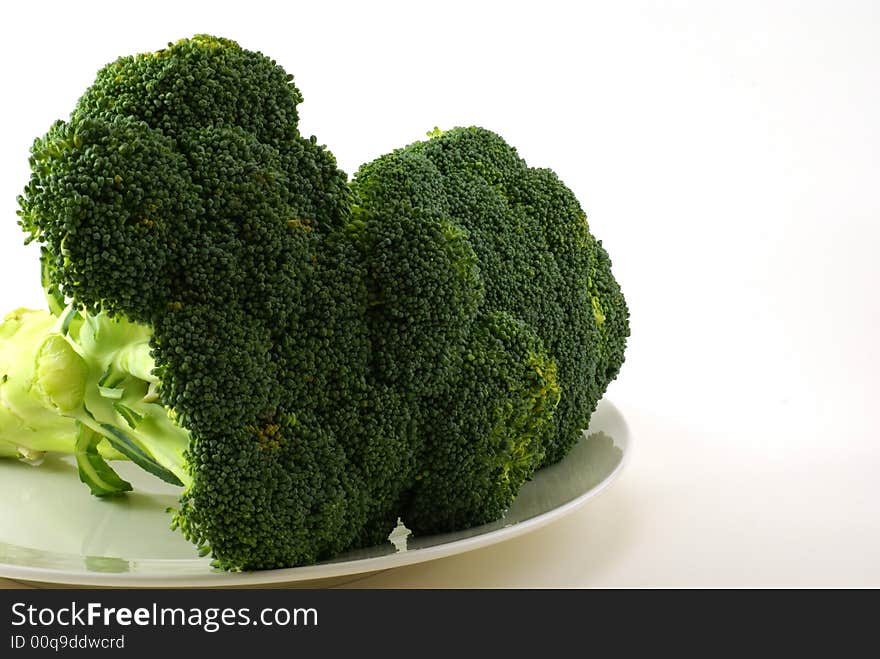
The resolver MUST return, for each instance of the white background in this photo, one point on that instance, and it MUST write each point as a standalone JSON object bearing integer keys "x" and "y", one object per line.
{"x": 727, "y": 155}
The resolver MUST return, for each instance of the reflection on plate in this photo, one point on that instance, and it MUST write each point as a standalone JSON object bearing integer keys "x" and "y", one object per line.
{"x": 52, "y": 530}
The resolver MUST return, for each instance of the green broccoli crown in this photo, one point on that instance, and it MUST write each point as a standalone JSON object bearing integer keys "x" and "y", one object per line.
{"x": 181, "y": 196}
{"x": 530, "y": 254}
{"x": 312, "y": 359}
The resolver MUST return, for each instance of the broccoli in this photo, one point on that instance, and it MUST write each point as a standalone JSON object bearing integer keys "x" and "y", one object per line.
{"x": 180, "y": 197}
{"x": 310, "y": 358}
{"x": 527, "y": 250}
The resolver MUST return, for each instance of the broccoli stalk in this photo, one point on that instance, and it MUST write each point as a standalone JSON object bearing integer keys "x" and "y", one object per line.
{"x": 27, "y": 428}
{"x": 84, "y": 384}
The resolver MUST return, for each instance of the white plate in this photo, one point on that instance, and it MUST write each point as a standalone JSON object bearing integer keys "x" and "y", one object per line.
{"x": 52, "y": 530}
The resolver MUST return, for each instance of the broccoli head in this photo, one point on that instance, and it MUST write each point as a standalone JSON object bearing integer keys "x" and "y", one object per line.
{"x": 181, "y": 197}
{"x": 528, "y": 241}
{"x": 310, "y": 358}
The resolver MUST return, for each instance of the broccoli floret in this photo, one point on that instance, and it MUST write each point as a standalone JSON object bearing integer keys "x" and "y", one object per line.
{"x": 112, "y": 202}
{"x": 482, "y": 314}
{"x": 536, "y": 258}
{"x": 181, "y": 197}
